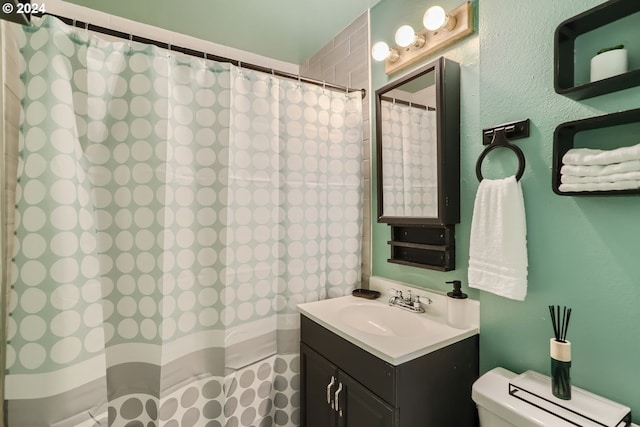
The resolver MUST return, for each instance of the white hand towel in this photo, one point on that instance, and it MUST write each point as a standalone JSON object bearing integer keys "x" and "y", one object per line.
{"x": 624, "y": 176}
{"x": 601, "y": 186}
{"x": 590, "y": 156}
{"x": 498, "y": 244}
{"x": 597, "y": 170}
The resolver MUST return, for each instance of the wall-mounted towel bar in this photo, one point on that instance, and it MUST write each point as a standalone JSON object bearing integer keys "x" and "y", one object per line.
{"x": 500, "y": 136}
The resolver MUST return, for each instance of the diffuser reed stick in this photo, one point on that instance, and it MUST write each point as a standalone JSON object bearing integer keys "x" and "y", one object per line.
{"x": 560, "y": 324}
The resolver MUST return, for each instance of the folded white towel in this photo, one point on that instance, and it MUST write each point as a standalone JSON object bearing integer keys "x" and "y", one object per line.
{"x": 624, "y": 176}
{"x": 498, "y": 243}
{"x": 590, "y": 156}
{"x": 597, "y": 170}
{"x": 601, "y": 186}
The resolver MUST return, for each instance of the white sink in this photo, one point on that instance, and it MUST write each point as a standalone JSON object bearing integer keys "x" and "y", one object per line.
{"x": 378, "y": 319}
{"x": 393, "y": 334}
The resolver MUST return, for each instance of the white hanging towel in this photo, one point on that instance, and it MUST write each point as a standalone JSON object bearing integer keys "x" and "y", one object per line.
{"x": 498, "y": 244}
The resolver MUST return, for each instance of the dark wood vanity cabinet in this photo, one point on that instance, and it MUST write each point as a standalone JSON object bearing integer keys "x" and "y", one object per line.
{"x": 325, "y": 384}
{"x": 433, "y": 390}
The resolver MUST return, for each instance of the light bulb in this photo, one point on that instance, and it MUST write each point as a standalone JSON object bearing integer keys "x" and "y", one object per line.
{"x": 405, "y": 35}
{"x": 380, "y": 51}
{"x": 435, "y": 18}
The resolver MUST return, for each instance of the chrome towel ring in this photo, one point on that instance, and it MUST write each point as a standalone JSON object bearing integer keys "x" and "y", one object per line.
{"x": 500, "y": 140}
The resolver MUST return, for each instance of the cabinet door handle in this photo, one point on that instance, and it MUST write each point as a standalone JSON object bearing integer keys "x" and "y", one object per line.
{"x": 336, "y": 396}
{"x": 333, "y": 380}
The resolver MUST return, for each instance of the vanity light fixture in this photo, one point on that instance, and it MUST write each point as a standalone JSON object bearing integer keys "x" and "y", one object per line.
{"x": 441, "y": 30}
{"x": 435, "y": 18}
{"x": 406, "y": 36}
{"x": 382, "y": 52}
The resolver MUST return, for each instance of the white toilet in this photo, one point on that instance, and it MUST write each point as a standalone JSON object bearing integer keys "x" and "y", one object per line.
{"x": 497, "y": 408}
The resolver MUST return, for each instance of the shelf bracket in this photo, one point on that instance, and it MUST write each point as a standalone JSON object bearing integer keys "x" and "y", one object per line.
{"x": 513, "y": 130}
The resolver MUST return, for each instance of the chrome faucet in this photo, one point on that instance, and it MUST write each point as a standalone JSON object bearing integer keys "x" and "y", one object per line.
{"x": 409, "y": 303}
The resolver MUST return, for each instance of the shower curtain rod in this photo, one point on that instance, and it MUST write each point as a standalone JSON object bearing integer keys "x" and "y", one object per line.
{"x": 200, "y": 54}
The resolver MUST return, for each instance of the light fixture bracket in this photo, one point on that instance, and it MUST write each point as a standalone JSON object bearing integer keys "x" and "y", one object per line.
{"x": 435, "y": 40}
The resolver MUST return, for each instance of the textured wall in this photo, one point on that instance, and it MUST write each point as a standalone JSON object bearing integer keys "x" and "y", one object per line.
{"x": 345, "y": 61}
{"x": 583, "y": 251}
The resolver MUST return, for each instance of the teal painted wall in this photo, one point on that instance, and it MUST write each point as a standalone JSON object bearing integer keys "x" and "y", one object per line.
{"x": 386, "y": 17}
{"x": 583, "y": 251}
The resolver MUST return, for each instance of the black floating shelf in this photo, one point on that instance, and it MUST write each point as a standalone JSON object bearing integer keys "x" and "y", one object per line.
{"x": 601, "y": 87}
{"x": 424, "y": 246}
{"x": 420, "y": 265}
{"x": 563, "y": 141}
{"x": 564, "y": 52}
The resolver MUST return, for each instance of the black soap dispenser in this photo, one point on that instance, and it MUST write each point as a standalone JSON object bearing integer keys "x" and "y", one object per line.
{"x": 457, "y": 306}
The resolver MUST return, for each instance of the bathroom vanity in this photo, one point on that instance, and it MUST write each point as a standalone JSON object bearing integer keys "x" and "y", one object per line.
{"x": 423, "y": 376}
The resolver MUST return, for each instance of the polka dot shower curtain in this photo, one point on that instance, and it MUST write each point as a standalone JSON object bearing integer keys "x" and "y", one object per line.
{"x": 410, "y": 176}
{"x": 171, "y": 213}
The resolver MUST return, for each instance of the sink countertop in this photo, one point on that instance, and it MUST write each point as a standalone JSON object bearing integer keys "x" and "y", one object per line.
{"x": 390, "y": 333}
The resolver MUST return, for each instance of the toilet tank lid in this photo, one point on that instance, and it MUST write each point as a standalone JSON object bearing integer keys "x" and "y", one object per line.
{"x": 583, "y": 408}
{"x": 492, "y": 386}
{"x": 491, "y": 391}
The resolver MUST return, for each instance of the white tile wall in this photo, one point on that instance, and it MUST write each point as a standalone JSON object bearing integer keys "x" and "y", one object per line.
{"x": 345, "y": 61}
{"x": 9, "y": 125}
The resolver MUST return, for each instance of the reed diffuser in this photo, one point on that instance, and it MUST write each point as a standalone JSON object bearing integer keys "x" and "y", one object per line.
{"x": 560, "y": 350}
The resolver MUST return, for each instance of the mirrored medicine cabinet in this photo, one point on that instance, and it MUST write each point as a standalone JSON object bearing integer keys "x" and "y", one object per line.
{"x": 418, "y": 164}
